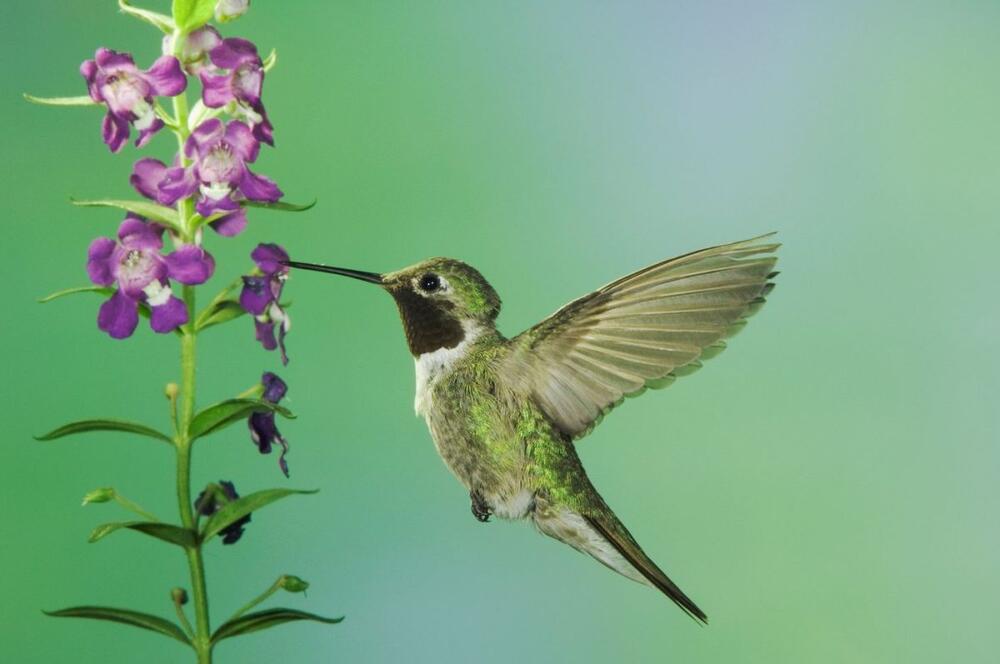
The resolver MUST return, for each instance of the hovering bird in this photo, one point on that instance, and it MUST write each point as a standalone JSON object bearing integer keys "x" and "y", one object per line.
{"x": 504, "y": 413}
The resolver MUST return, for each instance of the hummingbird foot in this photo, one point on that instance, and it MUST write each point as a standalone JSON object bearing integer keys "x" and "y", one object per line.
{"x": 480, "y": 509}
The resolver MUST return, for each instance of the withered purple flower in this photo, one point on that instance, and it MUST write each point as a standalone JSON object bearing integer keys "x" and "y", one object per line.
{"x": 220, "y": 173}
{"x": 263, "y": 431}
{"x": 237, "y": 81}
{"x": 143, "y": 275}
{"x": 207, "y": 503}
{"x": 261, "y": 297}
{"x": 114, "y": 80}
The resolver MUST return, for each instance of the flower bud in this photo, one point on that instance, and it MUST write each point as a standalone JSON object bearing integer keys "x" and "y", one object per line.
{"x": 171, "y": 390}
{"x": 227, "y": 10}
{"x": 102, "y": 495}
{"x": 180, "y": 596}
{"x": 293, "y": 584}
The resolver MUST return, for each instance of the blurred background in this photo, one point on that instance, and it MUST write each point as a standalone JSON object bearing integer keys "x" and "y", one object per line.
{"x": 826, "y": 489}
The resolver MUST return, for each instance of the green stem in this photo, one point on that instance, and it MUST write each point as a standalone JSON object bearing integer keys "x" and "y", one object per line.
{"x": 185, "y": 210}
{"x": 134, "y": 507}
{"x": 275, "y": 587}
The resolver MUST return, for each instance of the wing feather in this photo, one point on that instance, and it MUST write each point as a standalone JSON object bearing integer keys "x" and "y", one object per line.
{"x": 641, "y": 331}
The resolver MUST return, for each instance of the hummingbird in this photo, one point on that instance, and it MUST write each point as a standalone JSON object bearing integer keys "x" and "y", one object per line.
{"x": 505, "y": 413}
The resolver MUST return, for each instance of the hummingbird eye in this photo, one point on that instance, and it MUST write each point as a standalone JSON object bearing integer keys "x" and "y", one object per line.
{"x": 430, "y": 283}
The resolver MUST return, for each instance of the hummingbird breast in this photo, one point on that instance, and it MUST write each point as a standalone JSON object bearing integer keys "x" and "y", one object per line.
{"x": 473, "y": 415}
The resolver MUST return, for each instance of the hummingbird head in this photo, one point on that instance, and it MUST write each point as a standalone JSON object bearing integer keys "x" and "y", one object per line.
{"x": 441, "y": 301}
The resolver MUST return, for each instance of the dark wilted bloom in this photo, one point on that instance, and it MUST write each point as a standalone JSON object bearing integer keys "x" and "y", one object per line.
{"x": 219, "y": 172}
{"x": 263, "y": 431}
{"x": 149, "y": 173}
{"x": 227, "y": 10}
{"x": 114, "y": 80}
{"x": 143, "y": 275}
{"x": 261, "y": 297}
{"x": 207, "y": 503}
{"x": 236, "y": 82}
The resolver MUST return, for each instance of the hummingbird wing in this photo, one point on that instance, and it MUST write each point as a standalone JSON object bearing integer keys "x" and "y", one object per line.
{"x": 640, "y": 331}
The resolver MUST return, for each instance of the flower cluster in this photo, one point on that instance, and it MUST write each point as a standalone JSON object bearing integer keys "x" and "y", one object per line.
{"x": 211, "y": 169}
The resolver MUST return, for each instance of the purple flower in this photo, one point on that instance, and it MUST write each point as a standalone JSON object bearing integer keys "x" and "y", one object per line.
{"x": 263, "y": 430}
{"x": 208, "y": 503}
{"x": 228, "y": 10}
{"x": 194, "y": 51}
{"x": 114, "y": 80}
{"x": 143, "y": 275}
{"x": 147, "y": 176}
{"x": 219, "y": 173}
{"x": 238, "y": 81}
{"x": 261, "y": 297}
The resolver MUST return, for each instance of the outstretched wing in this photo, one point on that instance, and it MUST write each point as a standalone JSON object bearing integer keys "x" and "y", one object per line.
{"x": 640, "y": 331}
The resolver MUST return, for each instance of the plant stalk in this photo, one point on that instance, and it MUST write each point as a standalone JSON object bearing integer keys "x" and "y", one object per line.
{"x": 185, "y": 211}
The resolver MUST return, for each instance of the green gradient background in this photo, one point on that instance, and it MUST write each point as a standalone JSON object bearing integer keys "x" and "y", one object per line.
{"x": 827, "y": 490}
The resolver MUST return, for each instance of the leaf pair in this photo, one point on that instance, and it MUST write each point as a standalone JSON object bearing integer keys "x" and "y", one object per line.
{"x": 246, "y": 624}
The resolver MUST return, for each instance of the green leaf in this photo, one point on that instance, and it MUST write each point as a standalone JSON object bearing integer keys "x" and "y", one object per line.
{"x": 192, "y": 14}
{"x": 281, "y": 206}
{"x": 221, "y": 312}
{"x": 157, "y": 213}
{"x": 126, "y": 617}
{"x": 254, "y": 622}
{"x": 156, "y": 19}
{"x": 83, "y": 426}
{"x": 100, "y": 290}
{"x": 61, "y": 101}
{"x": 240, "y": 507}
{"x": 220, "y": 415}
{"x": 164, "y": 531}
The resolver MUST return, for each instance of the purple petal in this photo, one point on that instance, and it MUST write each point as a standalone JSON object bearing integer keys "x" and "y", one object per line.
{"x": 147, "y": 133}
{"x": 231, "y": 224}
{"x": 263, "y": 131}
{"x": 135, "y": 233}
{"x": 99, "y": 267}
{"x": 146, "y": 177}
{"x": 114, "y": 131}
{"x": 206, "y": 206}
{"x": 239, "y": 136}
{"x": 190, "y": 265}
{"x": 118, "y": 316}
{"x": 216, "y": 91}
{"x": 263, "y": 431}
{"x": 259, "y": 188}
{"x": 177, "y": 183}
{"x": 108, "y": 59}
{"x": 255, "y": 296}
{"x": 265, "y": 334}
{"x": 168, "y": 316}
{"x": 88, "y": 69}
{"x": 269, "y": 257}
{"x": 233, "y": 52}
{"x": 274, "y": 388}
{"x": 206, "y": 134}
{"x": 166, "y": 77}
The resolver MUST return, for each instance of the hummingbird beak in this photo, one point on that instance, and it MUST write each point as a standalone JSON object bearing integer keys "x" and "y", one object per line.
{"x": 370, "y": 277}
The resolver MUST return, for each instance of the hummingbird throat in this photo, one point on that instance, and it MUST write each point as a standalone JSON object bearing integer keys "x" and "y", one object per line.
{"x": 429, "y": 324}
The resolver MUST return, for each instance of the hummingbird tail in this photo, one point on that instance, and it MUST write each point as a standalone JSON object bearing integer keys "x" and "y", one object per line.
{"x": 615, "y": 534}
{"x": 606, "y": 539}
